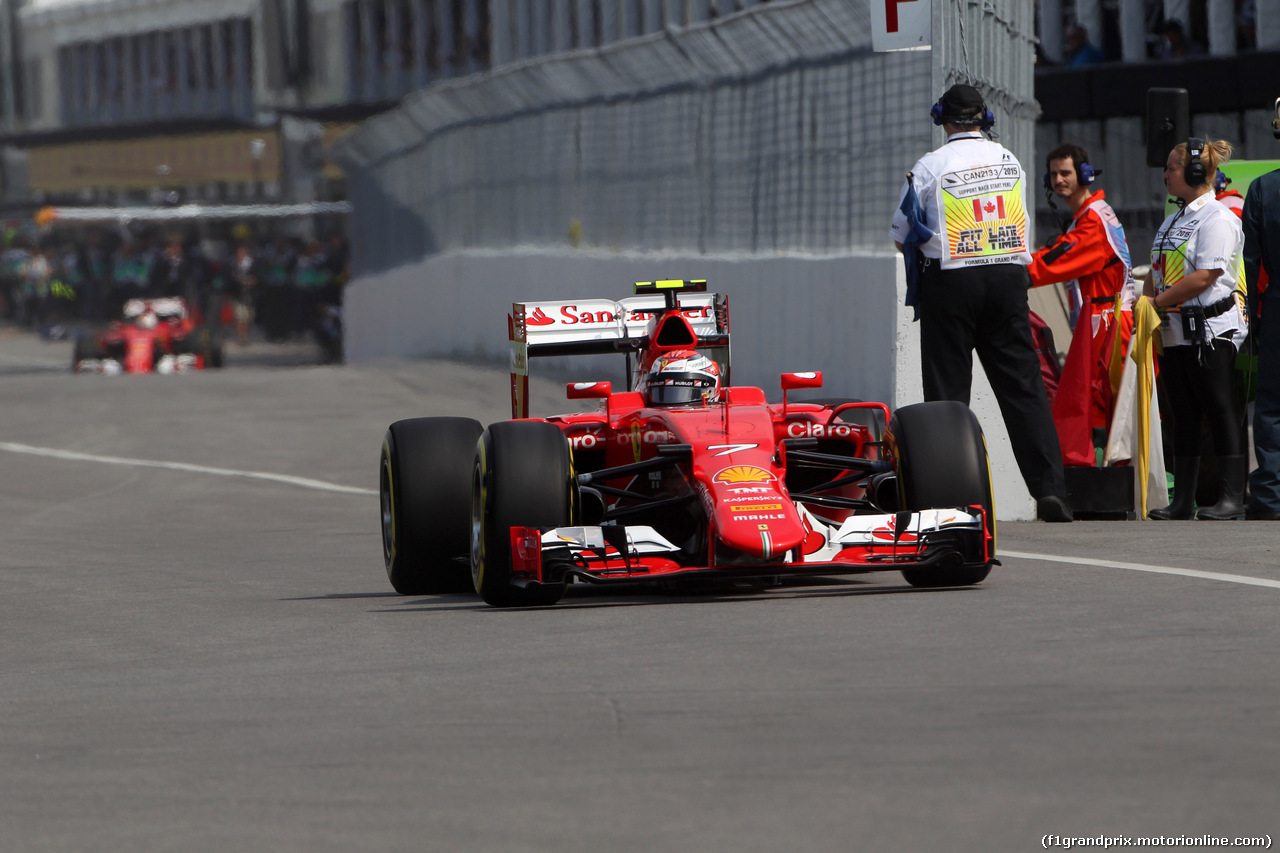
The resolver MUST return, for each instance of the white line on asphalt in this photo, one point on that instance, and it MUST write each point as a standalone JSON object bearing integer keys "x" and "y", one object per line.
{"x": 183, "y": 466}
{"x": 1142, "y": 567}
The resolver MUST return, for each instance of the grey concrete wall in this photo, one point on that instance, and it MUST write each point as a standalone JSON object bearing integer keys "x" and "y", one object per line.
{"x": 841, "y": 315}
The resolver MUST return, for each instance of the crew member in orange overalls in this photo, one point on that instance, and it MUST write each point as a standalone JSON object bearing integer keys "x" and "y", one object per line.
{"x": 1093, "y": 258}
{"x": 1231, "y": 198}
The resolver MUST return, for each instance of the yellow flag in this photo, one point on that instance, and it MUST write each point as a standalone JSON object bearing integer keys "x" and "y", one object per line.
{"x": 1116, "y": 362}
{"x": 1146, "y": 328}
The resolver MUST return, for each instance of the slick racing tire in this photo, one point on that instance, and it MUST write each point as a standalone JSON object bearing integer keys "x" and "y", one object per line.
{"x": 941, "y": 460}
{"x": 424, "y": 491}
{"x": 86, "y": 347}
{"x": 209, "y": 345}
{"x": 522, "y": 477}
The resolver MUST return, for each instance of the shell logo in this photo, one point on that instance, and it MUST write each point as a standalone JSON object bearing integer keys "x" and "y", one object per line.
{"x": 743, "y": 474}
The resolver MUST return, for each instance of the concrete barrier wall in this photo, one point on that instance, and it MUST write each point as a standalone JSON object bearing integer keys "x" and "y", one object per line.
{"x": 841, "y": 315}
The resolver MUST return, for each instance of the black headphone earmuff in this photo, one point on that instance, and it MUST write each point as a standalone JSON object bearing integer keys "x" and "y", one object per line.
{"x": 1194, "y": 173}
{"x": 987, "y": 122}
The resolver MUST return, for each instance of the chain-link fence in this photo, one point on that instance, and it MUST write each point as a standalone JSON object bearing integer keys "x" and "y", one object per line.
{"x": 776, "y": 130}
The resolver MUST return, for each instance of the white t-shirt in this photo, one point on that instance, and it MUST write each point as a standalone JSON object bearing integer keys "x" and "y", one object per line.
{"x": 1205, "y": 235}
{"x": 973, "y": 197}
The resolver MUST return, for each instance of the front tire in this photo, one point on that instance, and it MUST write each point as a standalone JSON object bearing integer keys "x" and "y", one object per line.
{"x": 424, "y": 488}
{"x": 941, "y": 460}
{"x": 86, "y": 347}
{"x": 522, "y": 477}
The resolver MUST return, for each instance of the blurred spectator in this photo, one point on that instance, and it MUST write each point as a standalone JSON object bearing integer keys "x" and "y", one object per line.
{"x": 130, "y": 276}
{"x": 1080, "y": 51}
{"x": 311, "y": 279}
{"x": 1176, "y": 44}
{"x": 172, "y": 274}
{"x": 74, "y": 276}
{"x": 13, "y": 265}
{"x": 1247, "y": 26}
{"x": 95, "y": 263}
{"x": 244, "y": 275}
{"x": 277, "y": 288}
{"x": 35, "y": 286}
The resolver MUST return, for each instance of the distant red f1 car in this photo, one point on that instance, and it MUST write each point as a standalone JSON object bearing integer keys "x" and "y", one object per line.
{"x": 155, "y": 336}
{"x": 681, "y": 476}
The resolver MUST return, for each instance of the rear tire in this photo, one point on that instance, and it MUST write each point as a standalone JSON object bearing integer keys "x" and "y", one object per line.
{"x": 522, "y": 477}
{"x": 424, "y": 491}
{"x": 941, "y": 460}
{"x": 209, "y": 346}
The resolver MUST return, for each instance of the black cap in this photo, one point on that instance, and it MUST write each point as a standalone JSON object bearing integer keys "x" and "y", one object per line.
{"x": 962, "y": 102}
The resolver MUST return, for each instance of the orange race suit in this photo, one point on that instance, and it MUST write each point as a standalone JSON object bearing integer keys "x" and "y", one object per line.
{"x": 1093, "y": 257}
{"x": 1233, "y": 200}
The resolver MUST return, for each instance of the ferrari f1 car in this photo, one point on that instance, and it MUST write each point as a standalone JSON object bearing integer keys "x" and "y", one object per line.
{"x": 683, "y": 476}
{"x": 154, "y": 336}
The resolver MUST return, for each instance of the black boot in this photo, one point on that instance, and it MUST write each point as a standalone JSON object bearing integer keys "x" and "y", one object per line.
{"x": 1230, "y": 505}
{"x": 1186, "y": 470}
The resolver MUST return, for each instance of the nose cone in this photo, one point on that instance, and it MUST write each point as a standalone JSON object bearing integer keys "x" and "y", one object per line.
{"x": 755, "y": 518}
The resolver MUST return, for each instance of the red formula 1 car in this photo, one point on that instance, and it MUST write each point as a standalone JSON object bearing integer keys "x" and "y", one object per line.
{"x": 682, "y": 476}
{"x": 155, "y": 336}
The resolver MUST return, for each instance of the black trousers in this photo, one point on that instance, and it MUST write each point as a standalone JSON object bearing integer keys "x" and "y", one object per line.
{"x": 985, "y": 309}
{"x": 1200, "y": 387}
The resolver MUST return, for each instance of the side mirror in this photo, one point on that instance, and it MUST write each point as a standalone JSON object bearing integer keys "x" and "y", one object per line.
{"x": 588, "y": 390}
{"x": 792, "y": 381}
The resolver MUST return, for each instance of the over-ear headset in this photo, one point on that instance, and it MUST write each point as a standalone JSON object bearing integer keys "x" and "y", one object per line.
{"x": 1194, "y": 172}
{"x": 1275, "y": 122}
{"x": 987, "y": 121}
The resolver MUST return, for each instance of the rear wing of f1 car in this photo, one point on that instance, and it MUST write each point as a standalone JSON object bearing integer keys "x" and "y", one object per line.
{"x": 595, "y": 326}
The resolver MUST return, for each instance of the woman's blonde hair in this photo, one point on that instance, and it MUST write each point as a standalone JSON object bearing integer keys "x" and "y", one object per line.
{"x": 1215, "y": 153}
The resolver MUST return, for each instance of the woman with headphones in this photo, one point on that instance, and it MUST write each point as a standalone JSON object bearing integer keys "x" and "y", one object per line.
{"x": 1196, "y": 264}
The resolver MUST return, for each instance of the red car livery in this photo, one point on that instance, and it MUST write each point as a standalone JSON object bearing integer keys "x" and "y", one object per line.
{"x": 682, "y": 476}
{"x": 155, "y": 336}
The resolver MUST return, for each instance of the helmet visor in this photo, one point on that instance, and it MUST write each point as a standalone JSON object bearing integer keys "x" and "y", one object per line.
{"x": 679, "y": 389}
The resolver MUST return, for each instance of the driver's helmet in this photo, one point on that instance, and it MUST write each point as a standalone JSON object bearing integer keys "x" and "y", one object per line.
{"x": 147, "y": 320}
{"x": 1220, "y": 182}
{"x": 682, "y": 378}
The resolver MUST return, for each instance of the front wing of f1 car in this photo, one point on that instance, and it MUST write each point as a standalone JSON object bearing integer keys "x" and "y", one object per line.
{"x": 935, "y": 538}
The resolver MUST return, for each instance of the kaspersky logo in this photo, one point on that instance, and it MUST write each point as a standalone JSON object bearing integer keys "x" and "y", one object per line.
{"x": 743, "y": 474}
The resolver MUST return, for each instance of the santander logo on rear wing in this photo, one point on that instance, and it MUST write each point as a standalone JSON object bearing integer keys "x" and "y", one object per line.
{"x": 593, "y": 320}
{"x": 594, "y": 326}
